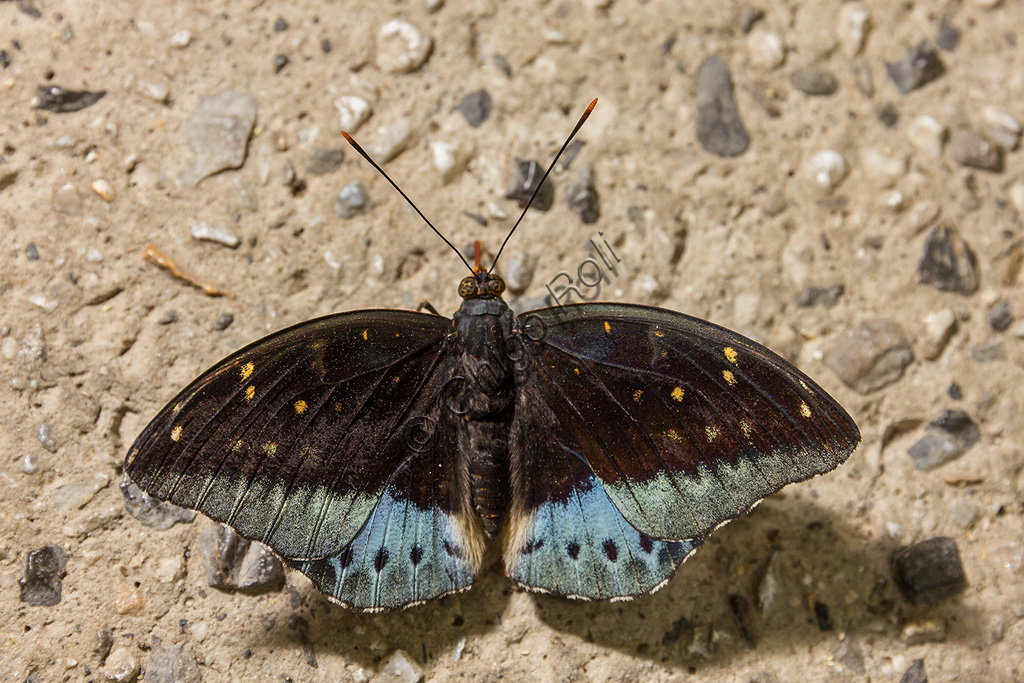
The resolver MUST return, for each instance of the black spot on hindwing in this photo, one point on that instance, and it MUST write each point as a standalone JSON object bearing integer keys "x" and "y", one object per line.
{"x": 415, "y": 555}
{"x": 611, "y": 551}
{"x": 380, "y": 560}
{"x": 573, "y": 549}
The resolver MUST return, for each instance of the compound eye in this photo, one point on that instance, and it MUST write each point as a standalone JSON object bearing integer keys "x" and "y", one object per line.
{"x": 467, "y": 288}
{"x": 495, "y": 286}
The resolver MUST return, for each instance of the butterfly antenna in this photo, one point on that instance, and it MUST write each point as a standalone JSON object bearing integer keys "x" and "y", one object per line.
{"x": 415, "y": 208}
{"x": 554, "y": 161}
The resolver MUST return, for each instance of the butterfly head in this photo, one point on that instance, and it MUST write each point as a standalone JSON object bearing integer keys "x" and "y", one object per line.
{"x": 481, "y": 284}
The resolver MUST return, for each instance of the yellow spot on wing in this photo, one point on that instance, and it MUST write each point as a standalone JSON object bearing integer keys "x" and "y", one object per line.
{"x": 338, "y": 406}
{"x": 637, "y": 394}
{"x": 805, "y": 409}
{"x": 134, "y": 454}
{"x": 659, "y": 333}
{"x": 745, "y": 428}
{"x": 176, "y": 433}
{"x": 576, "y": 370}
{"x": 237, "y": 445}
{"x": 729, "y": 377}
{"x": 607, "y": 327}
{"x": 250, "y": 391}
{"x": 712, "y": 433}
{"x": 246, "y": 370}
{"x": 678, "y": 394}
{"x": 365, "y": 335}
{"x": 730, "y": 354}
{"x": 269, "y": 448}
{"x": 674, "y": 435}
{"x": 300, "y": 407}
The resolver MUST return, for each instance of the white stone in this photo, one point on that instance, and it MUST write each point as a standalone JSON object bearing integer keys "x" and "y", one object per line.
{"x": 988, "y": 4}
{"x": 353, "y": 112}
{"x": 938, "y": 328}
{"x": 922, "y": 215}
{"x": 765, "y": 49}
{"x": 882, "y": 166}
{"x": 155, "y": 91}
{"x": 94, "y": 256}
{"x": 827, "y": 168}
{"x": 120, "y": 666}
{"x": 450, "y": 158}
{"x": 401, "y": 47}
{"x": 1001, "y": 127}
{"x": 401, "y": 668}
{"x": 181, "y": 39}
{"x": 893, "y": 200}
{"x": 1017, "y": 196}
{"x": 102, "y": 188}
{"x": 390, "y": 141}
{"x": 214, "y": 233}
{"x": 927, "y": 135}
{"x": 854, "y": 22}
{"x": 170, "y": 569}
{"x": 67, "y": 200}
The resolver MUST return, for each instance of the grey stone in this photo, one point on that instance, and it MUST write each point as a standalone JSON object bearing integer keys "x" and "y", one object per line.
{"x": 77, "y": 494}
{"x": 581, "y": 196}
{"x": 223, "y": 322}
{"x": 948, "y": 37}
{"x": 749, "y": 16}
{"x": 988, "y": 352}
{"x": 218, "y": 134}
{"x": 915, "y": 673}
{"x": 973, "y": 150}
{"x": 325, "y": 160}
{"x": 872, "y": 356}
{"x": 820, "y": 296}
{"x": 171, "y": 664}
{"x": 234, "y": 563}
{"x": 524, "y": 183}
{"x": 45, "y": 434}
{"x": 476, "y": 107}
{"x": 921, "y": 66}
{"x": 930, "y": 571}
{"x": 719, "y": 127}
{"x": 850, "y": 655}
{"x": 888, "y": 114}
{"x": 60, "y": 101}
{"x": 814, "y": 80}
{"x": 518, "y": 270}
{"x": 948, "y": 263}
{"x": 946, "y": 438}
{"x": 351, "y": 200}
{"x": 43, "y": 580}
{"x": 150, "y": 511}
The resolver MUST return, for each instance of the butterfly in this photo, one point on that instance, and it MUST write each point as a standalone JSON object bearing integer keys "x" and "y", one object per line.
{"x": 380, "y": 452}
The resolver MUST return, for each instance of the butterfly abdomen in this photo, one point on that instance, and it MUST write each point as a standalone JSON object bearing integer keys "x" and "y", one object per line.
{"x": 482, "y": 326}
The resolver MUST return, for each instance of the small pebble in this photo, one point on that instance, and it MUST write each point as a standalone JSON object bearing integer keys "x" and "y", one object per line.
{"x": 503, "y": 65}
{"x": 102, "y": 188}
{"x": 280, "y": 62}
{"x": 973, "y": 150}
{"x": 923, "y": 631}
{"x": 153, "y": 513}
{"x": 181, "y": 39}
{"x": 921, "y": 66}
{"x": 157, "y": 92}
{"x": 218, "y": 134}
{"x": 280, "y": 25}
{"x": 325, "y": 160}
{"x": 719, "y": 128}
{"x": 67, "y": 200}
{"x": 94, "y": 256}
{"x": 234, "y": 563}
{"x": 32, "y": 252}
{"x": 325, "y": 46}
{"x": 30, "y": 463}
{"x": 930, "y": 571}
{"x": 223, "y": 322}
{"x": 43, "y": 580}
{"x": 247, "y": 194}
{"x": 999, "y": 316}
{"x": 765, "y": 49}
{"x": 120, "y": 666}
{"x": 946, "y": 438}
{"x": 401, "y": 668}
{"x": 749, "y": 15}
{"x": 169, "y": 318}
{"x": 915, "y": 673}
{"x": 863, "y": 79}
{"x": 518, "y": 269}
{"x": 214, "y": 233}
{"x": 853, "y": 24}
{"x": 581, "y": 196}
{"x": 892, "y": 200}
{"x": 77, "y": 494}
{"x": 402, "y": 48}
{"x": 872, "y": 356}
{"x": 351, "y": 200}
{"x": 814, "y": 81}
{"x": 938, "y": 329}
{"x": 476, "y": 108}
{"x": 390, "y": 141}
{"x": 948, "y": 37}
{"x": 60, "y": 101}
{"x": 850, "y": 656}
{"x": 923, "y": 214}
{"x": 888, "y": 114}
{"x": 827, "y": 168}
{"x": 775, "y": 204}
{"x": 45, "y": 434}
{"x": 955, "y": 391}
{"x": 963, "y": 512}
{"x": 882, "y": 166}
{"x": 450, "y": 158}
{"x": 948, "y": 263}
{"x": 524, "y": 183}
{"x": 990, "y": 352}
{"x": 172, "y": 664}
{"x": 820, "y": 296}
{"x": 353, "y": 112}
{"x": 927, "y": 135}
{"x": 1002, "y": 128}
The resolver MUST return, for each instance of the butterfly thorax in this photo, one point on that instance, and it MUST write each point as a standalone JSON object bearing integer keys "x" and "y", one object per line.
{"x": 483, "y": 329}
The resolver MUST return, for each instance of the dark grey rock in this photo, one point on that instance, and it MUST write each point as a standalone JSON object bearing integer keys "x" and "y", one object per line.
{"x": 502, "y": 63}
{"x": 60, "y": 101}
{"x": 325, "y": 160}
{"x": 872, "y": 356}
{"x": 218, "y": 134}
{"x": 850, "y": 655}
{"x": 946, "y": 438}
{"x": 921, "y": 66}
{"x": 814, "y": 80}
{"x": 5, "y": 59}
{"x": 326, "y": 46}
{"x": 280, "y": 62}
{"x": 749, "y": 16}
{"x": 223, "y": 322}
{"x": 988, "y": 352}
{"x": 949, "y": 36}
{"x": 679, "y": 628}
{"x": 351, "y": 200}
{"x": 150, "y": 511}
{"x": 915, "y": 673}
{"x": 930, "y": 571}
{"x": 171, "y": 664}
{"x": 476, "y": 107}
{"x": 32, "y": 252}
{"x": 581, "y": 196}
{"x": 524, "y": 183}
{"x": 280, "y": 25}
{"x": 719, "y": 127}
{"x": 888, "y": 114}
{"x": 169, "y": 318}
{"x": 570, "y": 154}
{"x": 234, "y": 563}
{"x": 44, "y": 576}
{"x": 999, "y": 316}
{"x": 948, "y": 262}
{"x": 820, "y": 296}
{"x": 974, "y": 150}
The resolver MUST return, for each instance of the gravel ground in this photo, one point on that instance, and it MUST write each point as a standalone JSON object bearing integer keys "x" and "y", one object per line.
{"x": 864, "y": 220}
